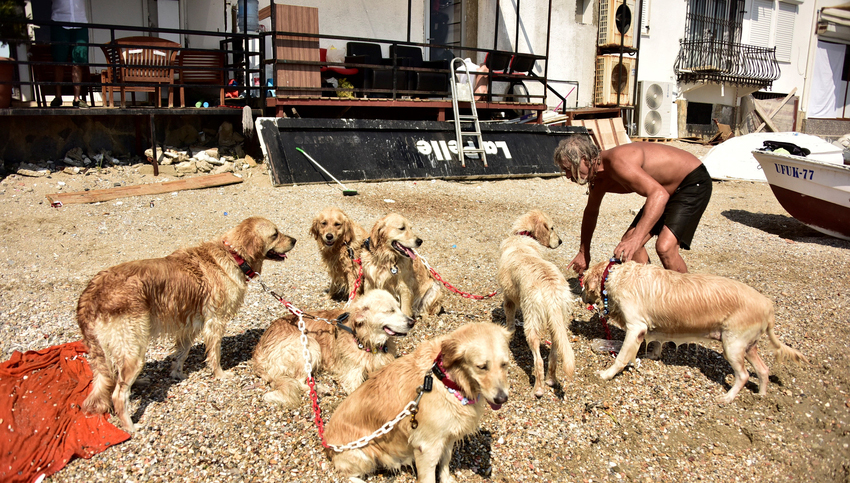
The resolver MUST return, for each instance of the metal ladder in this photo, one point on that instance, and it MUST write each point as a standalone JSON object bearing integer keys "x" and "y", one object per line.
{"x": 465, "y": 93}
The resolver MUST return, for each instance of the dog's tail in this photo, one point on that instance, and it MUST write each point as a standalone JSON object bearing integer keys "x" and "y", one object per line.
{"x": 783, "y": 352}
{"x": 99, "y": 401}
{"x": 558, "y": 322}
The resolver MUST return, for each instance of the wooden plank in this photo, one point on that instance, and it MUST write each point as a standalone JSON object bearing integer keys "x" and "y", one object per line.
{"x": 776, "y": 109}
{"x": 95, "y": 196}
{"x": 608, "y": 132}
{"x": 291, "y": 18}
{"x": 765, "y": 117}
{"x": 620, "y": 131}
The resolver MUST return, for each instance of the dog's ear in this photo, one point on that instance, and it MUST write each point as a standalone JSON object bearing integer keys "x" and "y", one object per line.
{"x": 358, "y": 315}
{"x": 378, "y": 236}
{"x": 249, "y": 237}
{"x": 454, "y": 362}
{"x": 593, "y": 279}
{"x": 348, "y": 229}
{"x": 314, "y": 228}
{"x": 541, "y": 229}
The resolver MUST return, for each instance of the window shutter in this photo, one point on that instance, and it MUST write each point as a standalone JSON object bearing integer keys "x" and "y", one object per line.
{"x": 785, "y": 31}
{"x": 760, "y": 23}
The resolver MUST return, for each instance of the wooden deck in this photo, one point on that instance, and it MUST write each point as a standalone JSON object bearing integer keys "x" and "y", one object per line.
{"x": 423, "y": 109}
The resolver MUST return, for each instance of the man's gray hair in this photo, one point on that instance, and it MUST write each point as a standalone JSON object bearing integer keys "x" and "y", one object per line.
{"x": 571, "y": 150}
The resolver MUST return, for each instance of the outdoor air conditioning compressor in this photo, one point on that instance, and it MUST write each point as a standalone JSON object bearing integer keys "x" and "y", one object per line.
{"x": 613, "y": 78}
{"x": 655, "y": 109}
{"x": 614, "y": 17}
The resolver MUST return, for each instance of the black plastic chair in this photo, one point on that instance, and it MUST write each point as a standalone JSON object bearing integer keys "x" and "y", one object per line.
{"x": 436, "y": 83}
{"x": 370, "y": 53}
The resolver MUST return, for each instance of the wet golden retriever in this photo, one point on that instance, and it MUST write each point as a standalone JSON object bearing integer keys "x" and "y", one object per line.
{"x": 348, "y": 344}
{"x": 193, "y": 291}
{"x": 339, "y": 239}
{"x": 388, "y": 263}
{"x": 654, "y": 304}
{"x": 540, "y": 290}
{"x": 473, "y": 358}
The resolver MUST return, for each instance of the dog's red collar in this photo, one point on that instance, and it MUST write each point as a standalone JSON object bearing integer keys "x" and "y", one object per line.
{"x": 243, "y": 265}
{"x": 442, "y": 375}
{"x": 525, "y": 233}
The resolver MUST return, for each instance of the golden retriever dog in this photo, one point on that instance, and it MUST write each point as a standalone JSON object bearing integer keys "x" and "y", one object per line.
{"x": 388, "y": 257}
{"x": 654, "y": 304}
{"x": 339, "y": 239}
{"x": 539, "y": 288}
{"x": 473, "y": 359}
{"x": 348, "y": 344}
{"x": 193, "y": 291}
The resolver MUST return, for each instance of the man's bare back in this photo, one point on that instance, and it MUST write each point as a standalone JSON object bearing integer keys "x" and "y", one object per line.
{"x": 667, "y": 165}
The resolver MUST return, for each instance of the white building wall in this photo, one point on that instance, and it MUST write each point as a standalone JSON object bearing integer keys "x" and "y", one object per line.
{"x": 660, "y": 46}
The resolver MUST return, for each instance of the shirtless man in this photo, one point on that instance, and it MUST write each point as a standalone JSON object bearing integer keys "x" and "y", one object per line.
{"x": 676, "y": 185}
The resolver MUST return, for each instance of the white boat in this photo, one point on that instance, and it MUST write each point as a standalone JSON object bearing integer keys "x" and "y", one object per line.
{"x": 814, "y": 192}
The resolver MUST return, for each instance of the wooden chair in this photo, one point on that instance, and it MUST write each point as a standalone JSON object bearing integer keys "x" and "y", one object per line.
{"x": 149, "y": 61}
{"x": 201, "y": 67}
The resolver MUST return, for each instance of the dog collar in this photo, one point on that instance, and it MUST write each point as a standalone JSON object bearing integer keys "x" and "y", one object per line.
{"x": 451, "y": 386}
{"x": 608, "y": 270}
{"x": 243, "y": 265}
{"x": 367, "y": 244}
{"x": 381, "y": 348}
{"x": 525, "y": 233}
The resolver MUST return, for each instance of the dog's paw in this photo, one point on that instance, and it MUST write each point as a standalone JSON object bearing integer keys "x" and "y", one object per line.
{"x": 142, "y": 382}
{"x": 724, "y": 399}
{"x": 223, "y": 374}
{"x": 552, "y": 382}
{"x": 354, "y": 479}
{"x": 275, "y": 398}
{"x": 177, "y": 374}
{"x": 605, "y": 375}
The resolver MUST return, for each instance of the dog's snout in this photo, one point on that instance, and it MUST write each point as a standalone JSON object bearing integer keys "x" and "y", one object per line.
{"x": 329, "y": 236}
{"x": 418, "y": 242}
{"x": 501, "y": 397}
{"x": 411, "y": 322}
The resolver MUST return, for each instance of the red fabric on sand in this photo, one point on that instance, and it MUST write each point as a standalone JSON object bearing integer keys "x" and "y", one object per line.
{"x": 42, "y": 425}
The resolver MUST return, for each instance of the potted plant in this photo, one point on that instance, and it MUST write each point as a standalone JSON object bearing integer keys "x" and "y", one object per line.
{"x": 12, "y": 29}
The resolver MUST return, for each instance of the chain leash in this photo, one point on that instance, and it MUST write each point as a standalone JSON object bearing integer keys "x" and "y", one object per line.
{"x": 411, "y": 409}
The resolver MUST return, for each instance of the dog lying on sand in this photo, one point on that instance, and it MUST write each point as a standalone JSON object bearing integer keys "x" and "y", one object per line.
{"x": 348, "y": 344}
{"x": 470, "y": 371}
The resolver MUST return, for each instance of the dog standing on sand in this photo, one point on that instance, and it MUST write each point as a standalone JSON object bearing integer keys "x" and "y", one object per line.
{"x": 193, "y": 291}
{"x": 654, "y": 304}
{"x": 539, "y": 289}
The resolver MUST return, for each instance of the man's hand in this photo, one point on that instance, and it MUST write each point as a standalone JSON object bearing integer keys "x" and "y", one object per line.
{"x": 579, "y": 263}
{"x": 627, "y": 248}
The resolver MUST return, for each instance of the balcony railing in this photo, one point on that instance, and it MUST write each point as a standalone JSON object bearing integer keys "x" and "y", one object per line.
{"x": 726, "y": 62}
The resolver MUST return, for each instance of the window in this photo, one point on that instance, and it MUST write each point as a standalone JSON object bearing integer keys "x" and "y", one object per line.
{"x": 772, "y": 25}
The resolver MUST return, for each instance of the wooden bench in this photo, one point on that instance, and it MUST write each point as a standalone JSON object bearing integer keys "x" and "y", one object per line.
{"x": 203, "y": 67}
{"x": 147, "y": 62}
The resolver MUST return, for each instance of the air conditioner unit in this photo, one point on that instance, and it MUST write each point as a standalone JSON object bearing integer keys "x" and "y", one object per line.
{"x": 613, "y": 78}
{"x": 655, "y": 109}
{"x": 612, "y": 13}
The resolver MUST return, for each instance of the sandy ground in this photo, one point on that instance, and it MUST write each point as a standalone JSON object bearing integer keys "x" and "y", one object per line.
{"x": 655, "y": 422}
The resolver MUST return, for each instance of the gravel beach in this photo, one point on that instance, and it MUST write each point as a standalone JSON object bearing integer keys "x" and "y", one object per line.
{"x": 656, "y": 422}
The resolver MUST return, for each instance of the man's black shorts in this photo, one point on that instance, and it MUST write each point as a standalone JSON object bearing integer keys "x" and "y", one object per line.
{"x": 684, "y": 207}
